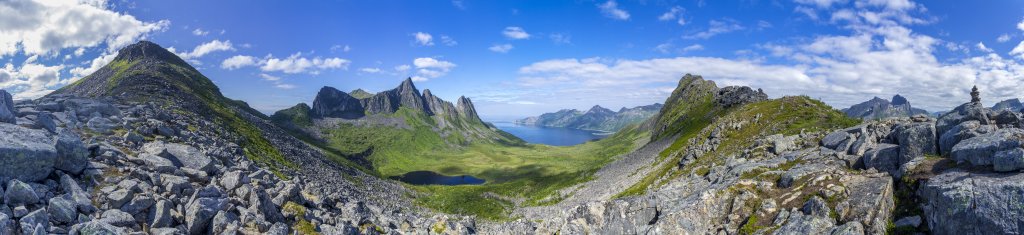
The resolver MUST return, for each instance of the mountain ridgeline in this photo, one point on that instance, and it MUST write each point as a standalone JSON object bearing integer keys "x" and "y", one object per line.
{"x": 405, "y": 100}
{"x": 596, "y": 118}
{"x": 878, "y": 108}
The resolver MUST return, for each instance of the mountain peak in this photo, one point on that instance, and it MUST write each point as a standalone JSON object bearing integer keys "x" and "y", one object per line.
{"x": 147, "y": 50}
{"x": 899, "y": 100}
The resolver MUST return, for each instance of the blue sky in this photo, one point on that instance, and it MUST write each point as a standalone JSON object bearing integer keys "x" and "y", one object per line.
{"x": 522, "y": 58}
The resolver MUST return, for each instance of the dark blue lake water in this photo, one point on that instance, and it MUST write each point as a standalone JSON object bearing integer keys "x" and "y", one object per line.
{"x": 432, "y": 178}
{"x": 550, "y": 135}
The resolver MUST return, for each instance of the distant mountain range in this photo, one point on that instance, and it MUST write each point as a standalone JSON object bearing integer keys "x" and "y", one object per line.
{"x": 878, "y": 108}
{"x": 596, "y": 118}
{"x": 1010, "y": 104}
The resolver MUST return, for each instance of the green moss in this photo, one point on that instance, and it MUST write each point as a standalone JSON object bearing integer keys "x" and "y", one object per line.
{"x": 304, "y": 227}
{"x": 294, "y": 208}
{"x": 439, "y": 227}
{"x": 750, "y": 226}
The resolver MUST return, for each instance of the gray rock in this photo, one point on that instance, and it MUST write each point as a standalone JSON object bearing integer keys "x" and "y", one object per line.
{"x": 97, "y": 227}
{"x": 133, "y": 138}
{"x": 19, "y": 211}
{"x": 159, "y": 164}
{"x": 884, "y": 158}
{"x": 160, "y": 215}
{"x": 1008, "y": 160}
{"x": 34, "y": 218}
{"x": 839, "y": 141}
{"x": 7, "y": 108}
{"x": 6, "y": 224}
{"x": 174, "y": 184}
{"x": 181, "y": 155}
{"x": 799, "y": 223}
{"x": 118, "y": 218}
{"x": 78, "y": 195}
{"x": 1007, "y": 118}
{"x": 101, "y": 124}
{"x": 199, "y": 214}
{"x": 736, "y": 95}
{"x": 816, "y": 207}
{"x": 165, "y": 231}
{"x": 20, "y": 193}
{"x": 909, "y": 221}
{"x": 965, "y": 112}
{"x": 916, "y": 140}
{"x": 44, "y": 120}
{"x": 138, "y": 205}
{"x": 29, "y": 155}
{"x": 233, "y": 179}
{"x": 849, "y": 228}
{"x": 62, "y": 209}
{"x": 72, "y": 156}
{"x": 222, "y": 221}
{"x": 261, "y": 202}
{"x": 961, "y": 132}
{"x": 279, "y": 228}
{"x": 980, "y": 150}
{"x": 961, "y": 202}
{"x": 869, "y": 201}
{"x": 120, "y": 197}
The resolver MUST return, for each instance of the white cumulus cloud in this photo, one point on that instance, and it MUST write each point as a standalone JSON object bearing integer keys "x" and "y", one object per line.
{"x": 424, "y": 39}
{"x": 513, "y": 32}
{"x": 428, "y": 68}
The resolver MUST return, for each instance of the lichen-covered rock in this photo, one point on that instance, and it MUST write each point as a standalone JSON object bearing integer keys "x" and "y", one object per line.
{"x": 839, "y": 141}
{"x": 181, "y": 155}
{"x": 28, "y": 154}
{"x": 966, "y": 112}
{"x": 62, "y": 209}
{"x": 980, "y": 150}
{"x": 20, "y": 193}
{"x": 1008, "y": 160}
{"x": 961, "y": 132}
{"x": 915, "y": 140}
{"x": 961, "y": 202}
{"x": 736, "y": 95}
{"x": 72, "y": 156}
{"x": 884, "y": 158}
{"x": 869, "y": 201}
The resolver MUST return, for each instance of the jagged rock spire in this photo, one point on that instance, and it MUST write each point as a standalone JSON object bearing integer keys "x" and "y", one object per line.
{"x": 975, "y": 95}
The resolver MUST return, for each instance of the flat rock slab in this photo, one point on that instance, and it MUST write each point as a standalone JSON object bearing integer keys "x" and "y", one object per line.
{"x": 25, "y": 154}
{"x": 960, "y": 202}
{"x": 181, "y": 155}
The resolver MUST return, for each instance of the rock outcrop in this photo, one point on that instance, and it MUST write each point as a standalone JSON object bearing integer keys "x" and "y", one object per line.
{"x": 331, "y": 102}
{"x": 736, "y": 95}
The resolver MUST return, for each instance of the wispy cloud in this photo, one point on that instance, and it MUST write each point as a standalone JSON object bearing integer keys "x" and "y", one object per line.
{"x": 501, "y": 48}
{"x": 611, "y": 9}
{"x": 515, "y": 33}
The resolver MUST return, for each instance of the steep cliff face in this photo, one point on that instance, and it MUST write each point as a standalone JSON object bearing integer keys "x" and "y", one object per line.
{"x": 332, "y": 102}
{"x": 467, "y": 110}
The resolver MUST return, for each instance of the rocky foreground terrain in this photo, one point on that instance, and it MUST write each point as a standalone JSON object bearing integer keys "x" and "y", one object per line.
{"x": 147, "y": 145}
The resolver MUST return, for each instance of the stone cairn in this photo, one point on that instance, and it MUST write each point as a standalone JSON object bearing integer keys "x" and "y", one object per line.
{"x": 975, "y": 95}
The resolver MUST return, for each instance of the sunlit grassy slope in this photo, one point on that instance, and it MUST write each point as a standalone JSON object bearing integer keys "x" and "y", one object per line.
{"x": 527, "y": 172}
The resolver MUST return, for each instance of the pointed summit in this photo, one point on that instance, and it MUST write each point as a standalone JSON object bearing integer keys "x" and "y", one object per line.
{"x": 332, "y": 102}
{"x": 146, "y": 71}
{"x": 466, "y": 109}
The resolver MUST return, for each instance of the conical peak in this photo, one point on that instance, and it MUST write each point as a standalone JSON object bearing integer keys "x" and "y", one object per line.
{"x": 147, "y": 50}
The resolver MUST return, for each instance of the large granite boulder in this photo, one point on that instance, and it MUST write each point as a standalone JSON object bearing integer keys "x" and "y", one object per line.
{"x": 25, "y": 154}
{"x": 965, "y": 112}
{"x": 961, "y": 202}
{"x": 839, "y": 141}
{"x": 979, "y": 151}
{"x": 72, "y": 156}
{"x": 869, "y": 201}
{"x": 7, "y": 112}
{"x": 884, "y": 158}
{"x": 181, "y": 155}
{"x": 961, "y": 132}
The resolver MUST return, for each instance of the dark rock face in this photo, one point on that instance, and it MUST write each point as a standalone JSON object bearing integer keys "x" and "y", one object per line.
{"x": 899, "y": 100}
{"x": 7, "y": 108}
{"x": 736, "y": 95}
{"x": 332, "y": 102}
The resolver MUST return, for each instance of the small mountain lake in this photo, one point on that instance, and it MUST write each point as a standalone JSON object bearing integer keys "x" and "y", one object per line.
{"x": 433, "y": 178}
{"x": 557, "y": 136}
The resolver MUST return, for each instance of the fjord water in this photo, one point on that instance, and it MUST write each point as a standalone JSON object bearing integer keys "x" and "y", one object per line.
{"x": 557, "y": 136}
{"x": 433, "y": 178}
